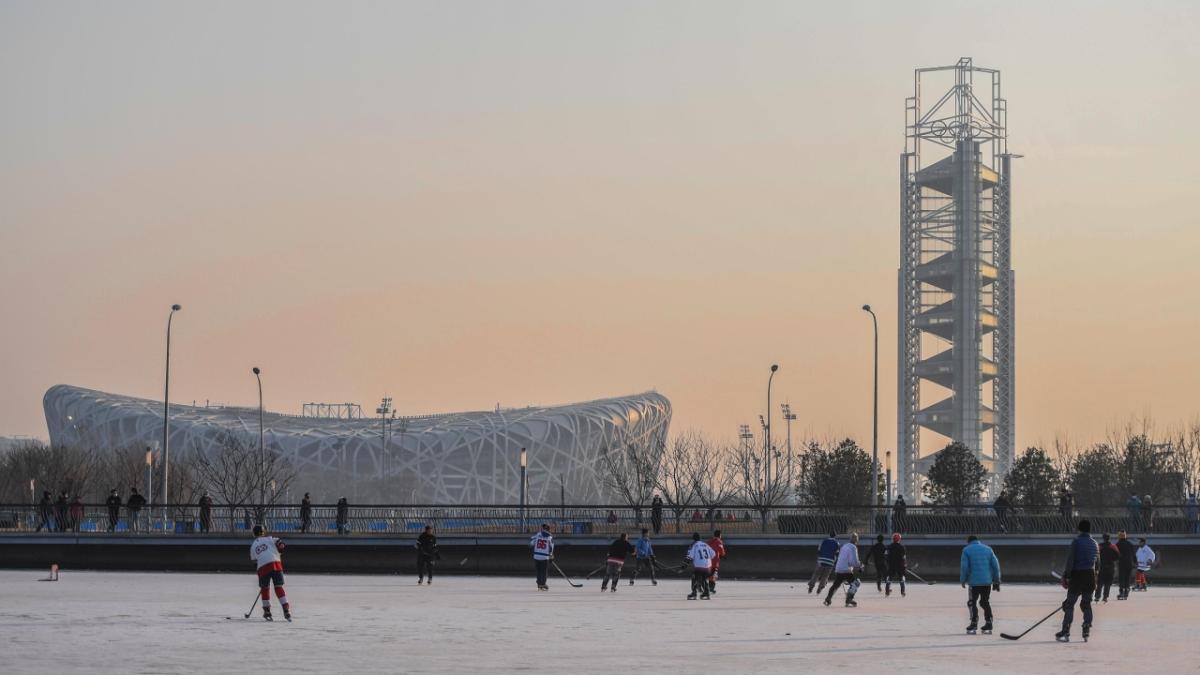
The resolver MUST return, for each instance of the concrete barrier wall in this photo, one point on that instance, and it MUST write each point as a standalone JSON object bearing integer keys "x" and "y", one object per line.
{"x": 935, "y": 558}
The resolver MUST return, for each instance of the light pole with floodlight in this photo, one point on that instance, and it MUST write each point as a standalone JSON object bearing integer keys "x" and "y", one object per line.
{"x": 167, "y": 413}
{"x": 262, "y": 448}
{"x": 875, "y": 414}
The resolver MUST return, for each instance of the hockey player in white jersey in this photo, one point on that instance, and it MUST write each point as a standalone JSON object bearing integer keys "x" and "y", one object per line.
{"x": 700, "y": 555}
{"x": 542, "y": 545}
{"x": 266, "y": 552}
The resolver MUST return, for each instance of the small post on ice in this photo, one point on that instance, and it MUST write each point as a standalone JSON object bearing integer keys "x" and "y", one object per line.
{"x": 53, "y": 573}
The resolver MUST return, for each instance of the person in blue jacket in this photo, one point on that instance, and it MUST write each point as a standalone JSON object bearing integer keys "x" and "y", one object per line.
{"x": 980, "y": 570}
{"x": 1079, "y": 578}
{"x": 644, "y": 554}
{"x": 827, "y": 554}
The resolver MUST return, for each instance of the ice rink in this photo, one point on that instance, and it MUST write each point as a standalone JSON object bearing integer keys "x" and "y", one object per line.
{"x": 91, "y": 622}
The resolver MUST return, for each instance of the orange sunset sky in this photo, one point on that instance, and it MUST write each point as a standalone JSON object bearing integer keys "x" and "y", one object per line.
{"x": 459, "y": 204}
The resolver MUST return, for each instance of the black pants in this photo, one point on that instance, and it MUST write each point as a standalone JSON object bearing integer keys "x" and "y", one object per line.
{"x": 305, "y": 523}
{"x": 1081, "y": 587}
{"x": 656, "y": 523}
{"x": 1105, "y": 583}
{"x": 980, "y": 596}
{"x": 897, "y": 576}
{"x": 205, "y": 522}
{"x": 1124, "y": 580}
{"x": 839, "y": 579}
{"x": 700, "y": 581}
{"x": 44, "y": 521}
{"x": 424, "y": 566}
{"x": 881, "y": 575}
{"x": 540, "y": 566}
{"x": 648, "y": 563}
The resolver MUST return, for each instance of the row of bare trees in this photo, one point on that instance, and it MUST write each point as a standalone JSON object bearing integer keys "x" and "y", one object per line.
{"x": 236, "y": 473}
{"x": 692, "y": 471}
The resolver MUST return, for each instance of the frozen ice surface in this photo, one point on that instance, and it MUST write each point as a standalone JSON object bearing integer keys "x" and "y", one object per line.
{"x": 127, "y": 622}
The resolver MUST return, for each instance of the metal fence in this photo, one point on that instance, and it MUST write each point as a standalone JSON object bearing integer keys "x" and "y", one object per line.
{"x": 403, "y": 519}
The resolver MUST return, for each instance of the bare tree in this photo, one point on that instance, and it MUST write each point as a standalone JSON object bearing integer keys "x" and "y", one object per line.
{"x": 761, "y": 482}
{"x": 676, "y": 475}
{"x": 66, "y": 469}
{"x": 239, "y": 475}
{"x": 631, "y": 473}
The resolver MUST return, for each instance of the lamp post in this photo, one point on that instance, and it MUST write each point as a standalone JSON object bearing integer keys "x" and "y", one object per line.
{"x": 888, "y": 462}
{"x": 262, "y": 450}
{"x": 166, "y": 448}
{"x": 875, "y": 413}
{"x": 789, "y": 416}
{"x": 385, "y": 407}
{"x": 767, "y": 426}
{"x": 524, "y": 465}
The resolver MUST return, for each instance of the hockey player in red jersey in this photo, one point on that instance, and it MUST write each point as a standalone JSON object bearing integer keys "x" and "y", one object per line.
{"x": 718, "y": 547}
{"x": 265, "y": 552}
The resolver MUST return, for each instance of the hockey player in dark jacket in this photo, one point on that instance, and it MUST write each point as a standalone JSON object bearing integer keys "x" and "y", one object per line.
{"x": 878, "y": 554}
{"x": 427, "y": 552}
{"x": 1109, "y": 554}
{"x": 897, "y": 564}
{"x": 1126, "y": 561}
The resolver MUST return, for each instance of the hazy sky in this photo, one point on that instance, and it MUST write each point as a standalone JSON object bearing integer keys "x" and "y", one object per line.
{"x": 458, "y": 204}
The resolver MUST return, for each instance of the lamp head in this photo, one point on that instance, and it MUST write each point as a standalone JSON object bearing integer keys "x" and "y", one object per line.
{"x": 256, "y": 370}
{"x": 774, "y": 367}
{"x": 866, "y": 308}
{"x": 176, "y": 307}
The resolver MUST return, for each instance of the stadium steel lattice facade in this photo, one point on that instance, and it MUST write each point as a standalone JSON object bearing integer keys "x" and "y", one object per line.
{"x": 955, "y": 279}
{"x": 459, "y": 458}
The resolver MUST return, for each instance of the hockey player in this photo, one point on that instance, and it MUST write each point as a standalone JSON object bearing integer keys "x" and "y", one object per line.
{"x": 877, "y": 552}
{"x": 827, "y": 554}
{"x": 979, "y": 568}
{"x": 643, "y": 557}
{"x": 427, "y": 552}
{"x": 1079, "y": 578}
{"x": 897, "y": 563}
{"x": 844, "y": 570}
{"x": 1125, "y": 564}
{"x": 1145, "y": 562}
{"x": 1109, "y": 554}
{"x": 542, "y": 544}
{"x": 617, "y": 551}
{"x": 718, "y": 547}
{"x": 700, "y": 556}
{"x": 266, "y": 552}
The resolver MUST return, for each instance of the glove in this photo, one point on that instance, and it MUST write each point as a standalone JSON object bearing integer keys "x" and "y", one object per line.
{"x": 963, "y": 585}
{"x": 1066, "y": 583}
{"x": 996, "y": 587}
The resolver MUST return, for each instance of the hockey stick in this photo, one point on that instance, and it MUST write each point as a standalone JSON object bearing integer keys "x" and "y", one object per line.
{"x": 247, "y": 614}
{"x": 919, "y": 577}
{"x": 593, "y": 572}
{"x": 1006, "y": 636}
{"x": 564, "y": 575}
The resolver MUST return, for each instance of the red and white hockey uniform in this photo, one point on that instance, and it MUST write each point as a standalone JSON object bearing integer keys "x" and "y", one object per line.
{"x": 265, "y": 552}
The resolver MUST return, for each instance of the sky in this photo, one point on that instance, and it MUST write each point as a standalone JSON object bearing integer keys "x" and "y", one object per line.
{"x": 465, "y": 204}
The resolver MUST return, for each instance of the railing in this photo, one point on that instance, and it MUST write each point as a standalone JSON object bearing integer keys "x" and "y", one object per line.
{"x": 405, "y": 519}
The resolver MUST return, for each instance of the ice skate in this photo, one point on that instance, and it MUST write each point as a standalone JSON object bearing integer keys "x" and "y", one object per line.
{"x": 1063, "y": 636}
{"x": 692, "y": 595}
{"x": 972, "y": 629}
{"x": 613, "y": 589}
{"x": 267, "y": 613}
{"x": 851, "y": 603}
{"x": 1087, "y": 630}
{"x": 631, "y": 582}
{"x": 287, "y": 613}
{"x": 653, "y": 582}
{"x": 827, "y": 602}
{"x": 420, "y": 581}
{"x": 706, "y": 596}
{"x": 987, "y": 628}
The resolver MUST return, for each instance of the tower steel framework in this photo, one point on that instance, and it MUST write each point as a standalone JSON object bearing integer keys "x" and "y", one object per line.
{"x": 955, "y": 278}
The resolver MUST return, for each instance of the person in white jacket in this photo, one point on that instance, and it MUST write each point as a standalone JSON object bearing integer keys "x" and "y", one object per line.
{"x": 1145, "y": 562}
{"x": 542, "y": 545}
{"x": 844, "y": 570}
{"x": 700, "y": 555}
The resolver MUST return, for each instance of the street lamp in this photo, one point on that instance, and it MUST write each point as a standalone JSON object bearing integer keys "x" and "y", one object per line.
{"x": 262, "y": 451}
{"x": 524, "y": 469}
{"x": 167, "y": 412}
{"x": 875, "y": 412}
{"x": 385, "y": 407}
{"x": 767, "y": 426}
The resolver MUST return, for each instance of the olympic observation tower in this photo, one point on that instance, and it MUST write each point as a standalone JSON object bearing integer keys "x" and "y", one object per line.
{"x": 955, "y": 280}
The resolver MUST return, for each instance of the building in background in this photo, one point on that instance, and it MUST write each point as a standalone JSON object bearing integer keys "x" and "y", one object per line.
{"x": 956, "y": 340}
{"x": 457, "y": 458}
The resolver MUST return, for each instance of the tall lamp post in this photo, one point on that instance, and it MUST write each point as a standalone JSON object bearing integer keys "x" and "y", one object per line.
{"x": 385, "y": 407}
{"x": 875, "y": 413}
{"x": 789, "y": 416}
{"x": 167, "y": 414}
{"x": 767, "y": 426}
{"x": 262, "y": 448}
{"x": 524, "y": 468}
